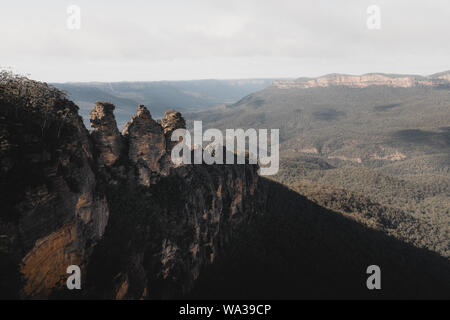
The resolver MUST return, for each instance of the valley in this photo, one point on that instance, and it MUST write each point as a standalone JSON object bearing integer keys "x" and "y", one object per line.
{"x": 383, "y": 146}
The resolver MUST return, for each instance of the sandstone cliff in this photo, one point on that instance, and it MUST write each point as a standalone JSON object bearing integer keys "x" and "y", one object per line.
{"x": 54, "y": 211}
{"x": 62, "y": 187}
{"x": 171, "y": 231}
{"x": 146, "y": 144}
{"x": 172, "y": 220}
{"x": 105, "y": 134}
{"x": 366, "y": 80}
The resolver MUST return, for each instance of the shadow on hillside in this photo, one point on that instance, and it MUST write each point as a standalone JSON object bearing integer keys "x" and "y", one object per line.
{"x": 299, "y": 250}
{"x": 328, "y": 114}
{"x": 386, "y": 107}
{"x": 422, "y": 137}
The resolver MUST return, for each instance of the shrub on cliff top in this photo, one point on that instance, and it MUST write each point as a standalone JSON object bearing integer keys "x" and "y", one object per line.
{"x": 24, "y": 98}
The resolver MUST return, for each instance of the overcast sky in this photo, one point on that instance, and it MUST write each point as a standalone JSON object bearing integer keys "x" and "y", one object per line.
{"x": 178, "y": 40}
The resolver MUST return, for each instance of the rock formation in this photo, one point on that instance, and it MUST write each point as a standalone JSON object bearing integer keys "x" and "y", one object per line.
{"x": 54, "y": 211}
{"x": 105, "y": 134}
{"x": 366, "y": 80}
{"x": 146, "y": 143}
{"x": 112, "y": 204}
{"x": 172, "y": 121}
{"x": 201, "y": 204}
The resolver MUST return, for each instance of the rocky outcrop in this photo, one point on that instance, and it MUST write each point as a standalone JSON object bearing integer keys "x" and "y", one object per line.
{"x": 172, "y": 121}
{"x": 344, "y": 158}
{"x": 178, "y": 225}
{"x": 396, "y": 156}
{"x": 308, "y": 149}
{"x": 366, "y": 80}
{"x": 54, "y": 211}
{"x": 113, "y": 204}
{"x": 105, "y": 134}
{"x": 146, "y": 143}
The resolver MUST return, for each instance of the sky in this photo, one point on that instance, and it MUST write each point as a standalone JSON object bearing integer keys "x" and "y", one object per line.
{"x": 137, "y": 40}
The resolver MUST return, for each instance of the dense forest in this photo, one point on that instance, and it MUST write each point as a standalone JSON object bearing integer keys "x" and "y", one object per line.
{"x": 380, "y": 155}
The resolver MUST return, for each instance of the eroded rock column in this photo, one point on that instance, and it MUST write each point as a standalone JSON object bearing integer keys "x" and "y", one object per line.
{"x": 106, "y": 136}
{"x": 147, "y": 145}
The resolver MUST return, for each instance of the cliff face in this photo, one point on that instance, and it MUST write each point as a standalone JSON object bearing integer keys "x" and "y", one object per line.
{"x": 105, "y": 134}
{"x": 366, "y": 80}
{"x": 169, "y": 232}
{"x": 171, "y": 121}
{"x": 54, "y": 211}
{"x": 171, "y": 221}
{"x": 113, "y": 204}
{"x": 147, "y": 145}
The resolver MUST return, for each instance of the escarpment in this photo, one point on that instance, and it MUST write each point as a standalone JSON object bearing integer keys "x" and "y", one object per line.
{"x": 172, "y": 221}
{"x": 53, "y": 209}
{"x": 169, "y": 232}
{"x": 113, "y": 204}
{"x": 366, "y": 80}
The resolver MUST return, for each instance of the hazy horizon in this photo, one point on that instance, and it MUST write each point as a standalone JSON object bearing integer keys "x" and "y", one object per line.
{"x": 246, "y": 79}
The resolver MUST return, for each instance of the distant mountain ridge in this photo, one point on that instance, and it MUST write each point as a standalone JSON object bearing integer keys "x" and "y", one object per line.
{"x": 366, "y": 80}
{"x": 390, "y": 144}
{"x": 159, "y": 95}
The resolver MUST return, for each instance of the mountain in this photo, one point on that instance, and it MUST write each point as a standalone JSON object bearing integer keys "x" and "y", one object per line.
{"x": 159, "y": 95}
{"x": 141, "y": 227}
{"x": 369, "y": 124}
{"x": 388, "y": 143}
{"x": 367, "y": 80}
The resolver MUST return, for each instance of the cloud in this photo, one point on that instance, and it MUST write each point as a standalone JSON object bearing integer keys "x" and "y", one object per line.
{"x": 191, "y": 39}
